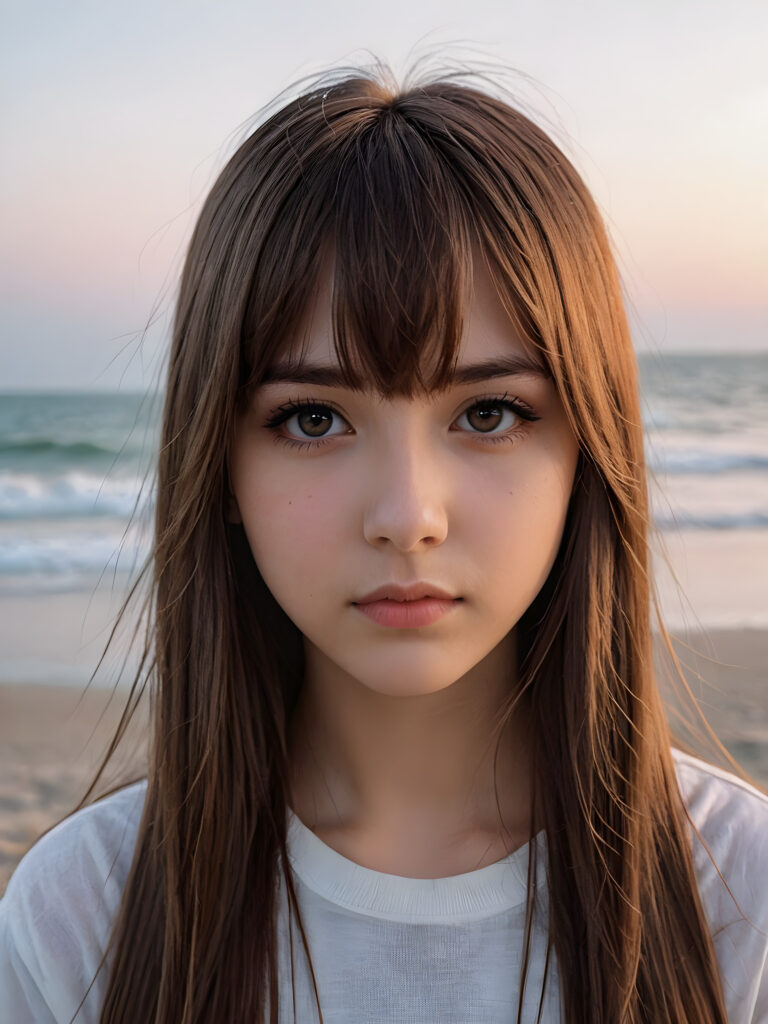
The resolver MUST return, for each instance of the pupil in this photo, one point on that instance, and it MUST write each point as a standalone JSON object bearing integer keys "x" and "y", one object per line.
{"x": 316, "y": 416}
{"x": 485, "y": 412}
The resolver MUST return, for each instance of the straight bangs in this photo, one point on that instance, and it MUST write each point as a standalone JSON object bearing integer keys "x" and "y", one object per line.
{"x": 376, "y": 203}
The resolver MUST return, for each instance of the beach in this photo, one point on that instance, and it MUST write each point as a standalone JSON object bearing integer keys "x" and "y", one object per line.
{"x": 52, "y": 738}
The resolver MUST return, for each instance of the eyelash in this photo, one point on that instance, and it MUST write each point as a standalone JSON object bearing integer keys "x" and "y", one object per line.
{"x": 284, "y": 412}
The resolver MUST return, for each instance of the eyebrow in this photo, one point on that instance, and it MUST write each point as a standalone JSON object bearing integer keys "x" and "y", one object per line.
{"x": 331, "y": 376}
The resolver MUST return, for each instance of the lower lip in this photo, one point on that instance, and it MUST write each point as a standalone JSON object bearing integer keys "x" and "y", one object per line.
{"x": 407, "y": 614}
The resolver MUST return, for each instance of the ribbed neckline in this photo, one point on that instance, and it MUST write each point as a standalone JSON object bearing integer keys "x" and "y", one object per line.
{"x": 466, "y": 897}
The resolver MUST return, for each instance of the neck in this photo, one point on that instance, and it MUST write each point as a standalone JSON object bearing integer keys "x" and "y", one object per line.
{"x": 423, "y": 765}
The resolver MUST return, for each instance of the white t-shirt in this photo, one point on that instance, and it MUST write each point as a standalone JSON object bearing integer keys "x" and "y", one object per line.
{"x": 384, "y": 947}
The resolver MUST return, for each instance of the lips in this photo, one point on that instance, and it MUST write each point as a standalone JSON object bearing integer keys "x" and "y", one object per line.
{"x": 406, "y": 592}
{"x": 408, "y": 614}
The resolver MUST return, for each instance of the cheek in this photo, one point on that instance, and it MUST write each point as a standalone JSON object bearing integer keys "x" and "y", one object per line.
{"x": 524, "y": 533}
{"x": 290, "y": 529}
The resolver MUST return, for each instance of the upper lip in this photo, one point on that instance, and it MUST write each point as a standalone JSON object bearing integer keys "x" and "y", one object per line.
{"x": 405, "y": 592}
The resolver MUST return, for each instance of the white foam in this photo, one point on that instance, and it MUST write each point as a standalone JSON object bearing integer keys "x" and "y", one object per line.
{"x": 67, "y": 495}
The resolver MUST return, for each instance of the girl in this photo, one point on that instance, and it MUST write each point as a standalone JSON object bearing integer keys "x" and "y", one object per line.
{"x": 409, "y": 759}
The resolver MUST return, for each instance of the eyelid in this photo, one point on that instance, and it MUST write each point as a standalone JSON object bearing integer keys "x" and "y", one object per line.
{"x": 292, "y": 404}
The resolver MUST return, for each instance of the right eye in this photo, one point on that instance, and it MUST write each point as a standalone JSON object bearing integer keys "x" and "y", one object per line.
{"x": 310, "y": 414}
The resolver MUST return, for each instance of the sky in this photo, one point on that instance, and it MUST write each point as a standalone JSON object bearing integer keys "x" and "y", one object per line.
{"x": 116, "y": 119}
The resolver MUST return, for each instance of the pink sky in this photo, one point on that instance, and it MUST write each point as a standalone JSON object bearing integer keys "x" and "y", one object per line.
{"x": 119, "y": 118}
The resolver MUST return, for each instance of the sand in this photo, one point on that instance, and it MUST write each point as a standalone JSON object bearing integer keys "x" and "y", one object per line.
{"x": 53, "y": 737}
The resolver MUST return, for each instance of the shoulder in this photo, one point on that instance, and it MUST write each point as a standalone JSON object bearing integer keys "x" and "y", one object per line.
{"x": 732, "y": 820}
{"x": 730, "y": 814}
{"x": 85, "y": 859}
{"x": 730, "y": 856}
{"x": 712, "y": 790}
{"x": 59, "y": 907}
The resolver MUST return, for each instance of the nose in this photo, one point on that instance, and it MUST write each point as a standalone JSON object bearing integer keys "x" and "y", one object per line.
{"x": 405, "y": 499}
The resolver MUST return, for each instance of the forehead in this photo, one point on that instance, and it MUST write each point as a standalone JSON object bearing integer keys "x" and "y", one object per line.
{"x": 488, "y": 336}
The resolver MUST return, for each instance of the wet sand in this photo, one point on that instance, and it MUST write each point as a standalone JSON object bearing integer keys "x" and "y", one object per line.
{"x": 52, "y": 738}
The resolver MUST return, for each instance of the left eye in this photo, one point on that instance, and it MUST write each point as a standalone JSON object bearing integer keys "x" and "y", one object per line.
{"x": 488, "y": 414}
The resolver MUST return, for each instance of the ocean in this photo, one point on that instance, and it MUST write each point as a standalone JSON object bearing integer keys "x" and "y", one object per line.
{"x": 706, "y": 421}
{"x": 74, "y": 469}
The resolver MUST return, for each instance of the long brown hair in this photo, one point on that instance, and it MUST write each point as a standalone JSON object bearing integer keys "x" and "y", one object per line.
{"x": 405, "y": 184}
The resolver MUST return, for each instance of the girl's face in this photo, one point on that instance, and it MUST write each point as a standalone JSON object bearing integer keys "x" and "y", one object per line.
{"x": 459, "y": 490}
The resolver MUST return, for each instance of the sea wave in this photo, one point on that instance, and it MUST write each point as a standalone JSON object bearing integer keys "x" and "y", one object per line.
{"x": 684, "y": 520}
{"x": 63, "y": 451}
{"x": 684, "y": 462}
{"x": 71, "y": 495}
{"x": 86, "y": 554}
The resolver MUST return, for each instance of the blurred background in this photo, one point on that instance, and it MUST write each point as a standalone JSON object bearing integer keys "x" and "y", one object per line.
{"x": 116, "y": 119}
